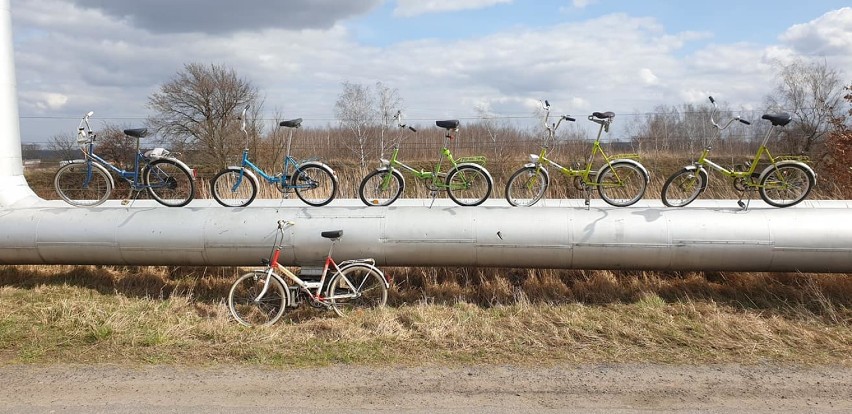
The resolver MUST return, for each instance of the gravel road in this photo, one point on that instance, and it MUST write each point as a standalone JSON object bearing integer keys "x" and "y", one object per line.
{"x": 507, "y": 389}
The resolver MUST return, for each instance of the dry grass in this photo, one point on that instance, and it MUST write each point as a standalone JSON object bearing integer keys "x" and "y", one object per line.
{"x": 438, "y": 316}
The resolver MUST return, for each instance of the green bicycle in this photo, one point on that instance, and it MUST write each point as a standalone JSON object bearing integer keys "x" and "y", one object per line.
{"x": 621, "y": 181}
{"x": 785, "y": 182}
{"x": 467, "y": 183}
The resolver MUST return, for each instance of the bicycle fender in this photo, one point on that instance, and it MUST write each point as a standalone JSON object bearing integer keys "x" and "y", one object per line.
{"x": 542, "y": 169}
{"x": 319, "y": 165}
{"x": 701, "y": 171}
{"x": 98, "y": 166}
{"x": 478, "y": 167}
{"x": 246, "y": 172}
{"x": 180, "y": 164}
{"x": 769, "y": 169}
{"x": 396, "y": 173}
{"x": 372, "y": 267}
{"x": 635, "y": 163}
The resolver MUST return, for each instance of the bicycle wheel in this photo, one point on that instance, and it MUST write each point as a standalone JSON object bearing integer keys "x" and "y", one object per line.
{"x": 468, "y": 185}
{"x": 233, "y": 188}
{"x": 786, "y": 185}
{"x": 683, "y": 187}
{"x": 243, "y": 303}
{"x": 82, "y": 184}
{"x": 314, "y": 185}
{"x": 356, "y": 287}
{"x": 168, "y": 183}
{"x": 381, "y": 188}
{"x": 526, "y": 186}
{"x": 622, "y": 183}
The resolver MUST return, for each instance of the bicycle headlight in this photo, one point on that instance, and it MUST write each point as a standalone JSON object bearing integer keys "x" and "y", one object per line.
{"x": 534, "y": 158}
{"x": 384, "y": 162}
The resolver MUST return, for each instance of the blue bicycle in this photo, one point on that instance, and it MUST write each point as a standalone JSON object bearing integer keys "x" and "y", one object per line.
{"x": 87, "y": 182}
{"x": 313, "y": 182}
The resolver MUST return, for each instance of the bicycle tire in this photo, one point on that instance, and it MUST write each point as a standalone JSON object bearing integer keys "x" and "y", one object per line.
{"x": 526, "y": 186}
{"x": 225, "y": 193}
{"x": 249, "y": 312}
{"x": 469, "y": 185}
{"x": 371, "y": 193}
{"x": 69, "y": 184}
{"x": 169, "y": 183}
{"x": 683, "y": 187}
{"x": 622, "y": 184}
{"x": 356, "y": 287}
{"x": 314, "y": 185}
{"x": 786, "y": 185}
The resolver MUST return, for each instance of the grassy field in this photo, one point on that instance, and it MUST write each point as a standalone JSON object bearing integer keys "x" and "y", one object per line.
{"x": 145, "y": 315}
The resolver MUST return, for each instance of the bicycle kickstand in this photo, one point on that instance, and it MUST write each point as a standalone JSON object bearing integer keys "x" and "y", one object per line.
{"x": 587, "y": 200}
{"x": 744, "y": 206}
{"x": 434, "y": 194}
{"x": 130, "y": 200}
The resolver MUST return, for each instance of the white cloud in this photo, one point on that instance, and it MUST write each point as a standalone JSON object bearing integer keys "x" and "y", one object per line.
{"x": 410, "y": 8}
{"x": 828, "y": 35}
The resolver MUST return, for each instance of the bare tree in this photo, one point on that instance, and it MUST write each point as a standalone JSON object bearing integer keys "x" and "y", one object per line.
{"x": 388, "y": 103}
{"x": 356, "y": 111}
{"x": 812, "y": 92}
{"x": 198, "y": 109}
{"x": 64, "y": 146}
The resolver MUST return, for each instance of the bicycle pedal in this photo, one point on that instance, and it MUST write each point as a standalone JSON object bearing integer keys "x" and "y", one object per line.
{"x": 125, "y": 202}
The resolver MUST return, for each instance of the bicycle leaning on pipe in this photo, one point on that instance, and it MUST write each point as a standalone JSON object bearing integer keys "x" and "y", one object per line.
{"x": 87, "y": 182}
{"x": 261, "y": 296}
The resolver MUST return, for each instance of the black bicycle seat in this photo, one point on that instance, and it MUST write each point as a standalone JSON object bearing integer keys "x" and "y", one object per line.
{"x": 136, "y": 132}
{"x": 293, "y": 123}
{"x": 603, "y": 115}
{"x": 335, "y": 234}
{"x": 448, "y": 124}
{"x": 778, "y": 119}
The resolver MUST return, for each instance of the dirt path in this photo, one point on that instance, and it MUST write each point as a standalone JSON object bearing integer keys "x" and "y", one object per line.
{"x": 588, "y": 388}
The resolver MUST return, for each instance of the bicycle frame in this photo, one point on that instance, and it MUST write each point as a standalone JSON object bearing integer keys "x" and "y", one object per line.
{"x": 704, "y": 161}
{"x": 586, "y": 172}
{"x": 317, "y": 287}
{"x": 446, "y": 154}
{"x": 289, "y": 163}
{"x": 132, "y": 177}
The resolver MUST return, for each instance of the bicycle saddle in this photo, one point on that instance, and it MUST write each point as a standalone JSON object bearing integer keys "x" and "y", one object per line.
{"x": 603, "y": 115}
{"x": 335, "y": 234}
{"x": 293, "y": 123}
{"x": 136, "y": 132}
{"x": 448, "y": 124}
{"x": 778, "y": 119}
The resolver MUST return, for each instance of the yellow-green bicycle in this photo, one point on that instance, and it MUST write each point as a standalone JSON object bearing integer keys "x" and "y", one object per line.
{"x": 621, "y": 181}
{"x": 785, "y": 182}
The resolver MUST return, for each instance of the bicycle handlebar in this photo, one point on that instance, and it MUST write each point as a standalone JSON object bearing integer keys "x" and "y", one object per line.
{"x": 243, "y": 119}
{"x": 398, "y": 118}
{"x": 715, "y": 124}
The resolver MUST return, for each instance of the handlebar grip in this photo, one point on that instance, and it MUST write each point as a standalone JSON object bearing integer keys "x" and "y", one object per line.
{"x": 744, "y": 121}
{"x": 412, "y": 129}
{"x": 712, "y": 100}
{"x": 568, "y": 118}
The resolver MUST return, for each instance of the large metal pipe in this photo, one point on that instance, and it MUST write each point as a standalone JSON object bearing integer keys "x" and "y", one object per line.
{"x": 713, "y": 235}
{"x": 708, "y": 235}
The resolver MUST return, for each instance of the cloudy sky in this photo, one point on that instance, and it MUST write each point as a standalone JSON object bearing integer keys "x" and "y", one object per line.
{"x": 446, "y": 57}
